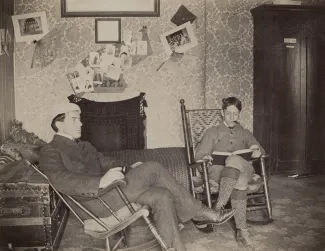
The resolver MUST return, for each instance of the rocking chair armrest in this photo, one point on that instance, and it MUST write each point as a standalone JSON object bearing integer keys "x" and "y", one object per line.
{"x": 121, "y": 183}
{"x": 200, "y": 161}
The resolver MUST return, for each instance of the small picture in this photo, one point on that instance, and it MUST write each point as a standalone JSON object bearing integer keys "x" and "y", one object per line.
{"x": 110, "y": 49}
{"x": 126, "y": 61}
{"x": 94, "y": 59}
{"x": 179, "y": 39}
{"x": 29, "y": 27}
{"x": 77, "y": 84}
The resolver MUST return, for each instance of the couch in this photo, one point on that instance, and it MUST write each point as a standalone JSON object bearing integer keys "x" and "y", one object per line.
{"x": 173, "y": 158}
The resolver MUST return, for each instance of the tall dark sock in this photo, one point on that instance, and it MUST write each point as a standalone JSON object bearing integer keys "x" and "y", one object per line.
{"x": 239, "y": 202}
{"x": 229, "y": 178}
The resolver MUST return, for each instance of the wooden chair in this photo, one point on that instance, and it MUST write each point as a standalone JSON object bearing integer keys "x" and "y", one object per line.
{"x": 195, "y": 123}
{"x": 103, "y": 228}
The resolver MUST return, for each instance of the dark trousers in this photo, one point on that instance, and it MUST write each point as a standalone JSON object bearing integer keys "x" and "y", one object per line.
{"x": 151, "y": 184}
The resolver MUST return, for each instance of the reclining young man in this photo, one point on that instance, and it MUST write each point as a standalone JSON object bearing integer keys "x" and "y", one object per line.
{"x": 75, "y": 167}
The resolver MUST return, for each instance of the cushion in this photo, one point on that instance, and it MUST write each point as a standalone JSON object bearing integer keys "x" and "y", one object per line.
{"x": 14, "y": 149}
{"x": 20, "y": 135}
{"x": 5, "y": 160}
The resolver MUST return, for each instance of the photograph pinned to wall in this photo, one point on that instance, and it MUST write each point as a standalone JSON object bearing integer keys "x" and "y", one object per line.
{"x": 94, "y": 59}
{"x": 77, "y": 84}
{"x": 107, "y": 30}
{"x": 180, "y": 39}
{"x": 30, "y": 27}
{"x": 111, "y": 86}
{"x": 110, "y": 49}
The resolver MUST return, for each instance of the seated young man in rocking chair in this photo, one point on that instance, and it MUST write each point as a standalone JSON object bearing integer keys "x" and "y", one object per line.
{"x": 76, "y": 168}
{"x": 234, "y": 175}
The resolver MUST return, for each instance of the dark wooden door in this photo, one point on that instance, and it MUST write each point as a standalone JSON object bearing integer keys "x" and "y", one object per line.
{"x": 289, "y": 86}
{"x": 7, "y": 95}
{"x": 290, "y": 92}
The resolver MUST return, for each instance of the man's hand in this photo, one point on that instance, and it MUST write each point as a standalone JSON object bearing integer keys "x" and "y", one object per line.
{"x": 256, "y": 151}
{"x": 208, "y": 157}
{"x": 112, "y": 175}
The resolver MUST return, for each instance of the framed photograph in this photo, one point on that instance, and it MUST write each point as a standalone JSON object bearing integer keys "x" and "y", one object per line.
{"x": 29, "y": 27}
{"x": 111, "y": 8}
{"x": 108, "y": 30}
{"x": 179, "y": 39}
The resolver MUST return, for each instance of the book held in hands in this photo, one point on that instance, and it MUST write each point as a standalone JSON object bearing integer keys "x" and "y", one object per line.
{"x": 219, "y": 158}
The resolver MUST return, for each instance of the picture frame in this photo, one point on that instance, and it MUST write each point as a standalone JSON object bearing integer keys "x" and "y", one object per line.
{"x": 107, "y": 30}
{"x": 29, "y": 27}
{"x": 179, "y": 39}
{"x": 112, "y": 8}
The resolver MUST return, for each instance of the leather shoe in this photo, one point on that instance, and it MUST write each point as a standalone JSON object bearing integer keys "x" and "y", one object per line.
{"x": 210, "y": 216}
{"x": 243, "y": 237}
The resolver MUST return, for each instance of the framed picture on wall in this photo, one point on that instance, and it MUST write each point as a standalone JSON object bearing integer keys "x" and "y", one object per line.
{"x": 107, "y": 30}
{"x": 29, "y": 27}
{"x": 111, "y": 8}
{"x": 179, "y": 39}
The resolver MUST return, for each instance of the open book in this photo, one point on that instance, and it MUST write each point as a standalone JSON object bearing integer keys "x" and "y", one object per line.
{"x": 219, "y": 158}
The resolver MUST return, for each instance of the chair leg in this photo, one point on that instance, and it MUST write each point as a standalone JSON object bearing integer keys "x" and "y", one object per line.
{"x": 266, "y": 189}
{"x": 152, "y": 228}
{"x": 107, "y": 245}
{"x": 207, "y": 184}
{"x": 154, "y": 231}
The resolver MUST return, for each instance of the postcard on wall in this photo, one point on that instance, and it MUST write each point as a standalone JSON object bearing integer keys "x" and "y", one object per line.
{"x": 113, "y": 72}
{"x": 142, "y": 48}
{"x": 179, "y": 39}
{"x": 94, "y": 59}
{"x": 77, "y": 84}
{"x": 127, "y": 37}
{"x": 110, "y": 49}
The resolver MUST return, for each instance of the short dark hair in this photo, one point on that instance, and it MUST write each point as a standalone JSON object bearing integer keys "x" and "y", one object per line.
{"x": 60, "y": 117}
{"x": 231, "y": 101}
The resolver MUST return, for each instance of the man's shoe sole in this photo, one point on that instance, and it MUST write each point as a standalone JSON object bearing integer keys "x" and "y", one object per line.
{"x": 212, "y": 222}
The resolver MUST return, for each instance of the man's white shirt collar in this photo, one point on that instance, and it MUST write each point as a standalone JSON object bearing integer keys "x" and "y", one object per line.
{"x": 65, "y": 135}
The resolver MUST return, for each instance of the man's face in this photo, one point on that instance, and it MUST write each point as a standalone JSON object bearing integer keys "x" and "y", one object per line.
{"x": 231, "y": 115}
{"x": 71, "y": 125}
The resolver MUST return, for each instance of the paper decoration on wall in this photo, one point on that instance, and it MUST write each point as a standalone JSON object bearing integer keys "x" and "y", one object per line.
{"x": 105, "y": 67}
{"x": 182, "y": 16}
{"x": 47, "y": 48}
{"x": 177, "y": 64}
{"x": 3, "y": 43}
{"x": 140, "y": 47}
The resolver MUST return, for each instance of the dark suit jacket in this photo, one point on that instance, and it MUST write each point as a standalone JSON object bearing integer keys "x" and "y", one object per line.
{"x": 75, "y": 168}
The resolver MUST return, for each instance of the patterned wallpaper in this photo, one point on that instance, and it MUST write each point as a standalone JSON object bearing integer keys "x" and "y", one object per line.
{"x": 222, "y": 60}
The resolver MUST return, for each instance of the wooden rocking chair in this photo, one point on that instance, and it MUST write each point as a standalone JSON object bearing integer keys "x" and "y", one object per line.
{"x": 195, "y": 123}
{"x": 103, "y": 228}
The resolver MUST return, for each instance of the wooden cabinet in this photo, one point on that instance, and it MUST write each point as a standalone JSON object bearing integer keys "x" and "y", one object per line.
{"x": 289, "y": 86}
{"x": 7, "y": 94}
